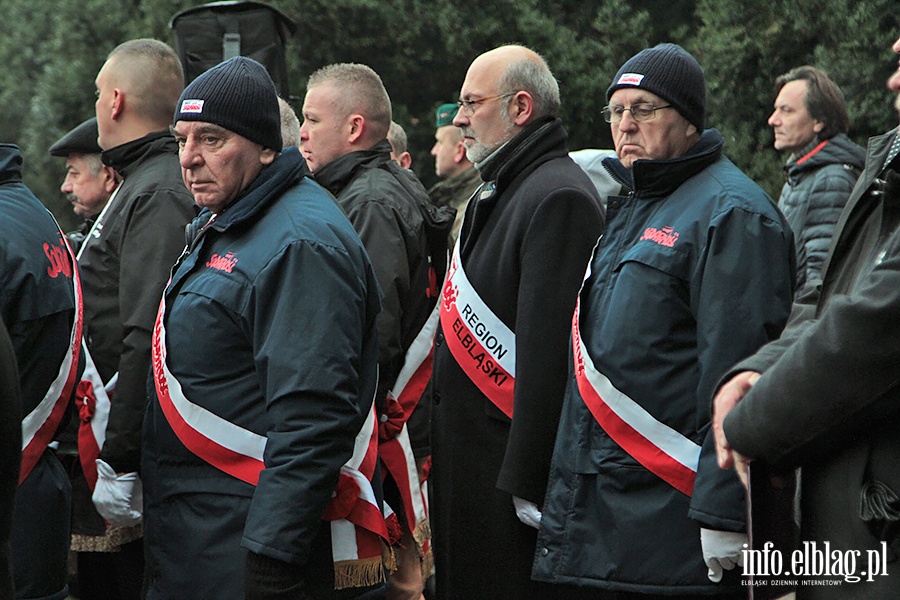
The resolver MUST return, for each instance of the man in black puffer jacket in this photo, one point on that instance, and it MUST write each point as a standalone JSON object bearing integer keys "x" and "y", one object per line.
{"x": 810, "y": 121}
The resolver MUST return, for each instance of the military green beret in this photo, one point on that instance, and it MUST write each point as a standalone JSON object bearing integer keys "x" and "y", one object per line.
{"x": 445, "y": 114}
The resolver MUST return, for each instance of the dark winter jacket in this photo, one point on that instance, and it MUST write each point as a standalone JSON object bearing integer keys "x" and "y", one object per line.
{"x": 124, "y": 267}
{"x": 829, "y": 398}
{"x": 271, "y": 325}
{"x": 405, "y": 237}
{"x": 10, "y": 453}
{"x": 524, "y": 245}
{"x": 694, "y": 271}
{"x": 819, "y": 181}
{"x": 37, "y": 305}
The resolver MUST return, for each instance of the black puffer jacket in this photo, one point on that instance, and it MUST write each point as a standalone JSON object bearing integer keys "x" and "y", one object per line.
{"x": 819, "y": 181}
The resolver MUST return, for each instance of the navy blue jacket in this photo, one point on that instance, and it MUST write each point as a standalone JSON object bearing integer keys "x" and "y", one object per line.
{"x": 37, "y": 304}
{"x": 694, "y": 271}
{"x": 271, "y": 325}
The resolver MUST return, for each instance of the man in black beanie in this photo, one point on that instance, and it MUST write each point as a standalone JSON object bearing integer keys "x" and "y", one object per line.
{"x": 258, "y": 444}
{"x": 694, "y": 272}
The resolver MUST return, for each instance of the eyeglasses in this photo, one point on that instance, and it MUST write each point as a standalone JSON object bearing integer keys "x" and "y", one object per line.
{"x": 468, "y": 106}
{"x": 641, "y": 113}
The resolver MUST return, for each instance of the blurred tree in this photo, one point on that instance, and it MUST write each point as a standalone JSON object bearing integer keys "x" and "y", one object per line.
{"x": 51, "y": 52}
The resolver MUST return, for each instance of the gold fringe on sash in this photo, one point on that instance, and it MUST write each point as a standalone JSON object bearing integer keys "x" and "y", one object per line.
{"x": 422, "y": 533}
{"x": 359, "y": 573}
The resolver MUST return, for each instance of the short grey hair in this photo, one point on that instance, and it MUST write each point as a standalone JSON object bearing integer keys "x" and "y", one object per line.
{"x": 290, "y": 124}
{"x": 536, "y": 79}
{"x": 397, "y": 137}
{"x": 362, "y": 93}
{"x": 93, "y": 163}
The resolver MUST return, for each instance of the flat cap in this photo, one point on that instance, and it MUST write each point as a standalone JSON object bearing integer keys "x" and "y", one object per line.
{"x": 81, "y": 140}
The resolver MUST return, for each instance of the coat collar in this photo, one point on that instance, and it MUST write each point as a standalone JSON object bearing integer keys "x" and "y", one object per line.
{"x": 337, "y": 174}
{"x": 659, "y": 178}
{"x": 124, "y": 157}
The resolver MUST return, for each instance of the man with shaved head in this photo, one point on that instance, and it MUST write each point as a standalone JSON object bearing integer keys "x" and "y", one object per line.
{"x": 501, "y": 352}
{"x": 346, "y": 119}
{"x": 125, "y": 259}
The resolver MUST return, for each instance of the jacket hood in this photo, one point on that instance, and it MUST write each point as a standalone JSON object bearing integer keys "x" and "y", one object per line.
{"x": 657, "y": 178}
{"x": 838, "y": 150}
{"x": 124, "y": 157}
{"x": 335, "y": 176}
{"x": 10, "y": 163}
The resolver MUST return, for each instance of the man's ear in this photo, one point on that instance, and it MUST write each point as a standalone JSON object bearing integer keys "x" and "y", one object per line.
{"x": 267, "y": 156}
{"x": 521, "y": 107}
{"x": 109, "y": 183}
{"x": 357, "y": 125}
{"x": 459, "y": 154}
{"x": 118, "y": 104}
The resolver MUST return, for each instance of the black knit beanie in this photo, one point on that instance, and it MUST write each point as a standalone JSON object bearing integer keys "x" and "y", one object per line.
{"x": 671, "y": 73}
{"x": 238, "y": 95}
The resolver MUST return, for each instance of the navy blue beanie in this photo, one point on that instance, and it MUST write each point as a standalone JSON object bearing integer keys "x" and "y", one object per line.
{"x": 239, "y": 95}
{"x": 671, "y": 73}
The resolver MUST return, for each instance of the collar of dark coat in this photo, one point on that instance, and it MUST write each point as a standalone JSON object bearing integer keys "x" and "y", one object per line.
{"x": 541, "y": 140}
{"x": 286, "y": 170}
{"x": 659, "y": 178}
{"x": 335, "y": 176}
{"x": 124, "y": 157}
{"x": 10, "y": 163}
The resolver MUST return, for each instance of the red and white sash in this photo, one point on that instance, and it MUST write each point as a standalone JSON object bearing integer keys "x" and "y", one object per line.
{"x": 396, "y": 453}
{"x": 358, "y": 528}
{"x": 92, "y": 398}
{"x": 483, "y": 346}
{"x": 658, "y": 447}
{"x": 40, "y": 425}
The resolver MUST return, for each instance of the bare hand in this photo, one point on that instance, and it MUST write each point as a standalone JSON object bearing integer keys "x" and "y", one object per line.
{"x": 728, "y": 397}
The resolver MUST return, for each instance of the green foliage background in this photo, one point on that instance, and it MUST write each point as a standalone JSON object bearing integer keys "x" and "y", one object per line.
{"x": 51, "y": 50}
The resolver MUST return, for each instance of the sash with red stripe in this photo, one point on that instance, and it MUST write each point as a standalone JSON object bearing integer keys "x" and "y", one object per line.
{"x": 358, "y": 529}
{"x": 396, "y": 453}
{"x": 40, "y": 425}
{"x": 662, "y": 450}
{"x": 483, "y": 346}
{"x": 93, "y": 401}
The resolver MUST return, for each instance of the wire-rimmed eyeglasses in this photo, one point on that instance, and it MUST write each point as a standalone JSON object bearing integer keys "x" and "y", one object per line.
{"x": 641, "y": 112}
{"x": 468, "y": 106}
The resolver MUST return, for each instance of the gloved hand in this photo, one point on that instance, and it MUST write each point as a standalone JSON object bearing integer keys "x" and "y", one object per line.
{"x": 119, "y": 498}
{"x": 722, "y": 551}
{"x": 527, "y": 512}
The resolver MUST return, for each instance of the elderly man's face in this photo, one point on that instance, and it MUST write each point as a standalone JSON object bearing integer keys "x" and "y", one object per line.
{"x": 87, "y": 190}
{"x": 667, "y": 135}
{"x": 489, "y": 125}
{"x": 325, "y": 128}
{"x": 791, "y": 122}
{"x": 217, "y": 164}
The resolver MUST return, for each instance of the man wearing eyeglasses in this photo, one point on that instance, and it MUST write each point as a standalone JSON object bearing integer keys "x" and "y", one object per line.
{"x": 500, "y": 356}
{"x": 694, "y": 272}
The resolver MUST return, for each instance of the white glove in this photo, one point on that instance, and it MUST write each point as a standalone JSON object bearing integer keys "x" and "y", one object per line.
{"x": 119, "y": 498}
{"x": 722, "y": 551}
{"x": 527, "y": 512}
